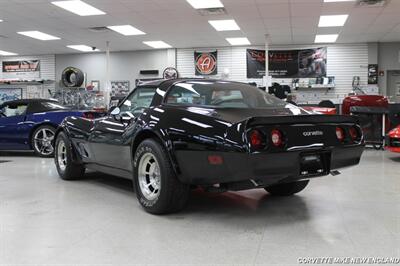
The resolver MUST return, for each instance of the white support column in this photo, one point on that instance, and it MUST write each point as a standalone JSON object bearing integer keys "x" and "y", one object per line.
{"x": 266, "y": 54}
{"x": 107, "y": 87}
{"x": 267, "y": 78}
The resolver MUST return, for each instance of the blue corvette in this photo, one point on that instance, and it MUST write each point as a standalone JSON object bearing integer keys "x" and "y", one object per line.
{"x": 30, "y": 124}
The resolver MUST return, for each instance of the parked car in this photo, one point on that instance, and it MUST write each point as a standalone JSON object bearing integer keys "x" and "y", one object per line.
{"x": 30, "y": 124}
{"x": 393, "y": 140}
{"x": 169, "y": 136}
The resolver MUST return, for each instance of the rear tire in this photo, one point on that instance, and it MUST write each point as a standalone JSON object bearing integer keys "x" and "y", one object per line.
{"x": 157, "y": 187}
{"x": 287, "y": 189}
{"x": 67, "y": 169}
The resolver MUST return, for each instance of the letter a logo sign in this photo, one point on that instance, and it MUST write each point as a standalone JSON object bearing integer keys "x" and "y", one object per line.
{"x": 205, "y": 63}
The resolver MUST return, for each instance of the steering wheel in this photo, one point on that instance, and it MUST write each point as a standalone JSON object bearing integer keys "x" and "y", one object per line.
{"x": 222, "y": 101}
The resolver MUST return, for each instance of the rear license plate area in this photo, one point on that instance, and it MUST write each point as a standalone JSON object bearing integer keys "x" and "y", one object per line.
{"x": 314, "y": 164}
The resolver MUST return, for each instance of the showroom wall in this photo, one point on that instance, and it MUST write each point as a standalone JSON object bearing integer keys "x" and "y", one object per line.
{"x": 389, "y": 59}
{"x": 47, "y": 72}
{"x": 344, "y": 62}
{"x": 123, "y": 65}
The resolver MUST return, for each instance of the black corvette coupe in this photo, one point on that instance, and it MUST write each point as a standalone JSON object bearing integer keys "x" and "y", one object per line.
{"x": 169, "y": 136}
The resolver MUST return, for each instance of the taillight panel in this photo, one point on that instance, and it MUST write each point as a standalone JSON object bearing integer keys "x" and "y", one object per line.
{"x": 277, "y": 138}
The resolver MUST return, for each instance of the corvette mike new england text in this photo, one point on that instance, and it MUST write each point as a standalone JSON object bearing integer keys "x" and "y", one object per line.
{"x": 349, "y": 260}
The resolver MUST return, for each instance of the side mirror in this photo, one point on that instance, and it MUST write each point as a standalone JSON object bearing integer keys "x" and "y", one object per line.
{"x": 115, "y": 111}
{"x": 112, "y": 109}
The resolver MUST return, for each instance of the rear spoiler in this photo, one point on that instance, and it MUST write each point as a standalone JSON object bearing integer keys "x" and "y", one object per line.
{"x": 302, "y": 119}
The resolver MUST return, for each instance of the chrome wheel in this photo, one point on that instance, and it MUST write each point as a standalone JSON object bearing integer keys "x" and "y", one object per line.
{"x": 42, "y": 141}
{"x": 62, "y": 155}
{"x": 149, "y": 176}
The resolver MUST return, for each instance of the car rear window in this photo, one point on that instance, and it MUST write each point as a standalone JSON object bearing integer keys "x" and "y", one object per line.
{"x": 221, "y": 94}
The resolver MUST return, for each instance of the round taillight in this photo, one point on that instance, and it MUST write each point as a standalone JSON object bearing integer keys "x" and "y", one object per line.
{"x": 276, "y": 138}
{"x": 256, "y": 139}
{"x": 340, "y": 134}
{"x": 353, "y": 133}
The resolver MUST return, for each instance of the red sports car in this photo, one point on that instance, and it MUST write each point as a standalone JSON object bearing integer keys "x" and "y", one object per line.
{"x": 394, "y": 140}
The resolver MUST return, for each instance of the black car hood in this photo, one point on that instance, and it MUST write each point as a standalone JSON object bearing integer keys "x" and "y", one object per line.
{"x": 234, "y": 115}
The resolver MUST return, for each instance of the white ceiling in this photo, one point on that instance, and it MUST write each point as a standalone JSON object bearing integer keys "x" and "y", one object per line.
{"x": 177, "y": 23}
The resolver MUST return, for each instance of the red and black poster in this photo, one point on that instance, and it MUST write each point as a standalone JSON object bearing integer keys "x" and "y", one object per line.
{"x": 21, "y": 69}
{"x": 206, "y": 63}
{"x": 255, "y": 63}
{"x": 21, "y": 66}
{"x": 305, "y": 63}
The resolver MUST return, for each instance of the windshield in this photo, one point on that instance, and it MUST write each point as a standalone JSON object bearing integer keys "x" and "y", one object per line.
{"x": 221, "y": 94}
{"x": 53, "y": 106}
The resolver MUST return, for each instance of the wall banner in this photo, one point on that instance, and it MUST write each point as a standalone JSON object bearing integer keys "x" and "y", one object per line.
{"x": 10, "y": 94}
{"x": 206, "y": 63}
{"x": 255, "y": 63}
{"x": 305, "y": 63}
{"x": 21, "y": 69}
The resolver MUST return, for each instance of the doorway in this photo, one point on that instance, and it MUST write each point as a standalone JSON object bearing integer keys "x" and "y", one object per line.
{"x": 393, "y": 83}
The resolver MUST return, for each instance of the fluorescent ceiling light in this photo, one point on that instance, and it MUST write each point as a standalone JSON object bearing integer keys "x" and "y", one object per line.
{"x": 332, "y": 1}
{"x": 158, "y": 44}
{"x": 238, "y": 41}
{"x": 326, "y": 38}
{"x": 224, "y": 25}
{"x": 83, "y": 48}
{"x": 1, "y": 20}
{"x": 78, "y": 7}
{"x": 126, "y": 30}
{"x": 5, "y": 53}
{"x": 332, "y": 21}
{"x": 38, "y": 35}
{"x": 202, "y": 4}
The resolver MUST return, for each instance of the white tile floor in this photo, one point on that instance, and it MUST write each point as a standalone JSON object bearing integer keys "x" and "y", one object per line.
{"x": 44, "y": 220}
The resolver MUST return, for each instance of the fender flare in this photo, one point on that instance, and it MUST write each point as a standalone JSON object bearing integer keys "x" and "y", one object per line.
{"x": 76, "y": 158}
{"x": 164, "y": 141}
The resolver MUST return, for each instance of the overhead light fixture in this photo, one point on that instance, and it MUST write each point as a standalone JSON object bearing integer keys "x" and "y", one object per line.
{"x": 1, "y": 20}
{"x": 332, "y": 20}
{"x": 5, "y": 53}
{"x": 224, "y": 25}
{"x": 126, "y": 30}
{"x": 332, "y": 1}
{"x": 203, "y": 4}
{"x": 79, "y": 7}
{"x": 238, "y": 41}
{"x": 39, "y": 35}
{"x": 326, "y": 38}
{"x": 158, "y": 44}
{"x": 83, "y": 48}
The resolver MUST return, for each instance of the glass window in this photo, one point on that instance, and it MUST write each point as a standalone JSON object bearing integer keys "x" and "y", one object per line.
{"x": 14, "y": 110}
{"x": 221, "y": 94}
{"x": 139, "y": 100}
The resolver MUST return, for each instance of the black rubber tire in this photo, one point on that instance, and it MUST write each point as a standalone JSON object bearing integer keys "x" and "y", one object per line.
{"x": 72, "y": 170}
{"x": 68, "y": 81}
{"x": 173, "y": 194}
{"x": 287, "y": 189}
{"x": 33, "y": 142}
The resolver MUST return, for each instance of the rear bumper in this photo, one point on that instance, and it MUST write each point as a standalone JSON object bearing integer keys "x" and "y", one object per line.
{"x": 263, "y": 168}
